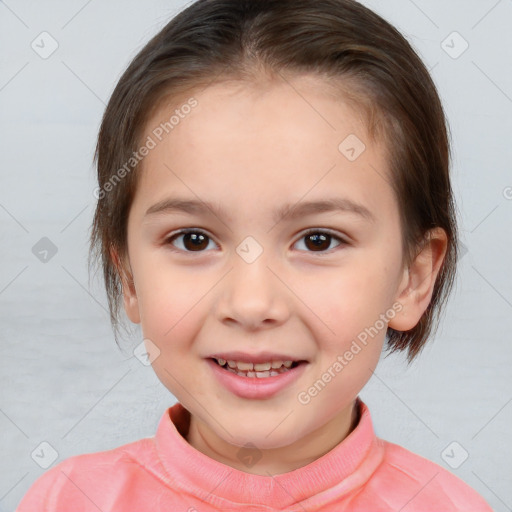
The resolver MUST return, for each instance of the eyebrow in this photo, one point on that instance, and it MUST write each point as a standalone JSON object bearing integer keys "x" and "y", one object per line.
{"x": 291, "y": 211}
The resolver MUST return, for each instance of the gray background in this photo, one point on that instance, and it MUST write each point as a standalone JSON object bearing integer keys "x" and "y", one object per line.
{"x": 63, "y": 379}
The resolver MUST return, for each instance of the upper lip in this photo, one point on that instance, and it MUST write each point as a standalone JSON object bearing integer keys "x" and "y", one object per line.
{"x": 261, "y": 357}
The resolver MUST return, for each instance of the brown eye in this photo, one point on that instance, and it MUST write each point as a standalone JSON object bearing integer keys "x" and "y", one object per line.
{"x": 319, "y": 241}
{"x": 192, "y": 240}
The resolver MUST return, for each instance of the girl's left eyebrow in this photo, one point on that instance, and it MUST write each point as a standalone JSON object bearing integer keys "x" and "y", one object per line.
{"x": 291, "y": 211}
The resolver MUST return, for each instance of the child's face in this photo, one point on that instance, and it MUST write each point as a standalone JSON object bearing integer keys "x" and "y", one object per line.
{"x": 250, "y": 152}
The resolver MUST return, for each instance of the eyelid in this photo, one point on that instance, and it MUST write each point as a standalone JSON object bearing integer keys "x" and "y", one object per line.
{"x": 334, "y": 234}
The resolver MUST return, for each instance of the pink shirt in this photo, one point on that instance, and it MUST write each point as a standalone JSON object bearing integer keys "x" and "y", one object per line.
{"x": 165, "y": 473}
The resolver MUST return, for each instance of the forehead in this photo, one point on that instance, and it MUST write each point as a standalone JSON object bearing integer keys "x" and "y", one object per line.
{"x": 274, "y": 140}
{"x": 308, "y": 104}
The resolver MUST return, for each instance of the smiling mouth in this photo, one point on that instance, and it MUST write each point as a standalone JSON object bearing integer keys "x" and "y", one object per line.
{"x": 260, "y": 371}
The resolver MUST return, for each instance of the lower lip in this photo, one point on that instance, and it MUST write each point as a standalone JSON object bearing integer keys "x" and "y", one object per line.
{"x": 254, "y": 387}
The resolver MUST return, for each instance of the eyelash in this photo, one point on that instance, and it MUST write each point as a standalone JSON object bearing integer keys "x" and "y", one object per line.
{"x": 172, "y": 237}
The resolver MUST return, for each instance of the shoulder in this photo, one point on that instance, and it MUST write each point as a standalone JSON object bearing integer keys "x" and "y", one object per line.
{"x": 425, "y": 485}
{"x": 83, "y": 482}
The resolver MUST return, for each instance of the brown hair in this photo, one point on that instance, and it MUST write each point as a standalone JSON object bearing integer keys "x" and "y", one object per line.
{"x": 350, "y": 46}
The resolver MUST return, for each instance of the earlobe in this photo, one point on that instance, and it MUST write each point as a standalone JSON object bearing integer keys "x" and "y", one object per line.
{"x": 131, "y": 303}
{"x": 418, "y": 281}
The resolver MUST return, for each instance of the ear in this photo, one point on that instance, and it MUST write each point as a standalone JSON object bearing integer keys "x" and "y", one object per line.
{"x": 131, "y": 303}
{"x": 418, "y": 280}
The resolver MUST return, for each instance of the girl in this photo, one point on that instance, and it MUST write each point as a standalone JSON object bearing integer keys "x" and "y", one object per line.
{"x": 274, "y": 204}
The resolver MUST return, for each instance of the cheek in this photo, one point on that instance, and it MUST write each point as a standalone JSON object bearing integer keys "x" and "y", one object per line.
{"x": 167, "y": 299}
{"x": 354, "y": 293}
{"x": 352, "y": 299}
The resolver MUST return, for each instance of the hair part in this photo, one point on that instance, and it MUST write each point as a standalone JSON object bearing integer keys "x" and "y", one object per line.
{"x": 362, "y": 58}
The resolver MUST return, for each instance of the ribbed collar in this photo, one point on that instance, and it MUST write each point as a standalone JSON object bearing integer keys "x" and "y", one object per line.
{"x": 347, "y": 466}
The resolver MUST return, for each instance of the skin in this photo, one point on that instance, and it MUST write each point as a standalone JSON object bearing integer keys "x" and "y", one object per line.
{"x": 251, "y": 150}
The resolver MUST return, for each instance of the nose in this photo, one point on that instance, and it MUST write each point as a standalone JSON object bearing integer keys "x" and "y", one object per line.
{"x": 253, "y": 295}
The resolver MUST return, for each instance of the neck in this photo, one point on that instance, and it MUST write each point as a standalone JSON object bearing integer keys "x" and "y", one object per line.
{"x": 277, "y": 460}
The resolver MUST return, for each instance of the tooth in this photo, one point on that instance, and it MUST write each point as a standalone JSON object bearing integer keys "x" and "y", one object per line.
{"x": 287, "y": 364}
{"x": 277, "y": 364}
{"x": 244, "y": 366}
{"x": 262, "y": 375}
{"x": 232, "y": 364}
{"x": 261, "y": 367}
{"x": 222, "y": 362}
{"x": 251, "y": 374}
{"x": 272, "y": 374}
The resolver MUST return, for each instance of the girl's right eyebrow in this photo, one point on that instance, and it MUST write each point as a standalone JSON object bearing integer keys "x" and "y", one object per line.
{"x": 291, "y": 211}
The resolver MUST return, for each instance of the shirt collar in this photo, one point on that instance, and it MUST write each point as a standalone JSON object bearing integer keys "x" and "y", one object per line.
{"x": 348, "y": 465}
